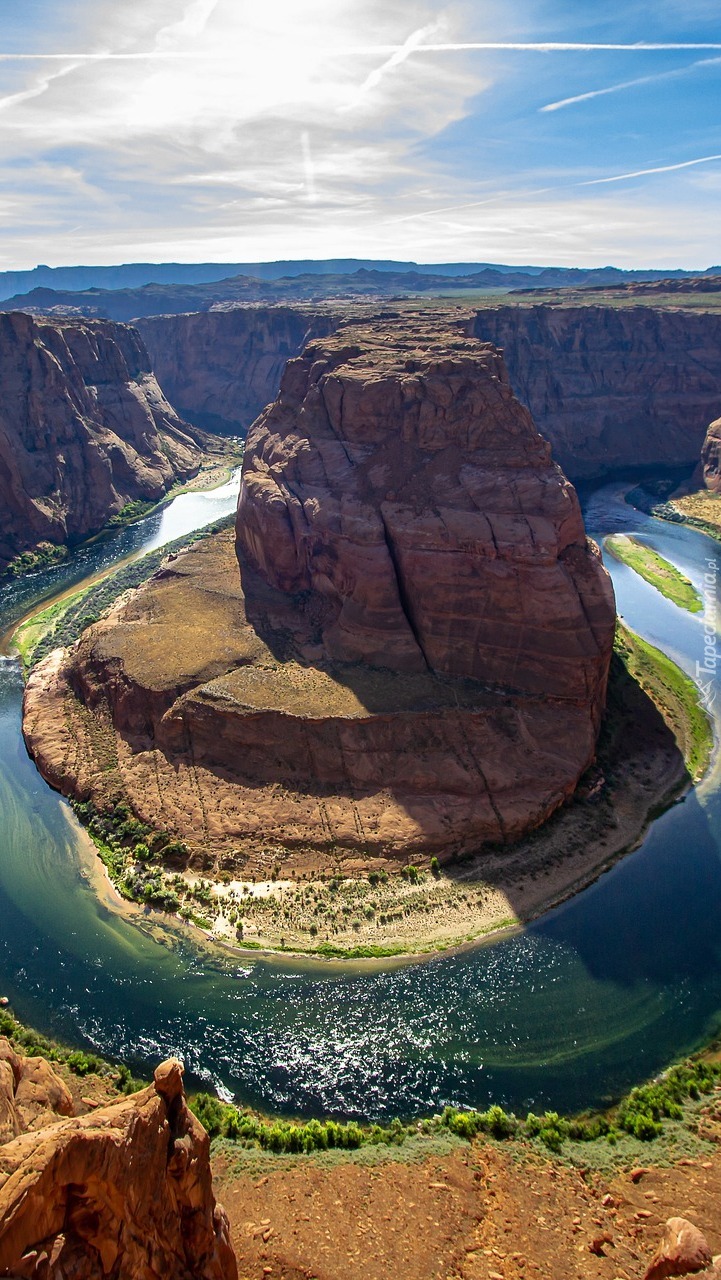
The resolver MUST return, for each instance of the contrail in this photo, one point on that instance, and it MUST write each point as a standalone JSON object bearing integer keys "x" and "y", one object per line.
{"x": 641, "y": 173}
{"x": 542, "y": 191}
{"x": 629, "y": 84}
{"x": 389, "y": 50}
{"x": 13, "y": 99}
{"x": 401, "y": 55}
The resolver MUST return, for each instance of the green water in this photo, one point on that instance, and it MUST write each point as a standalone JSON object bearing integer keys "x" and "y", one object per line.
{"x": 598, "y": 994}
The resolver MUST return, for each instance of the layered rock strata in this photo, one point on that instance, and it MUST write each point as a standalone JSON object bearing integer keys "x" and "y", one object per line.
{"x": 222, "y": 367}
{"x": 125, "y": 1191}
{"x": 612, "y": 388}
{"x": 416, "y": 658}
{"x": 84, "y": 429}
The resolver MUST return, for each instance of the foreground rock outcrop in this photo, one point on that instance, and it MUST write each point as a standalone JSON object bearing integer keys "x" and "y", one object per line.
{"x": 84, "y": 429}
{"x": 220, "y": 368}
{"x": 124, "y": 1192}
{"x": 711, "y": 457}
{"x": 416, "y": 660}
{"x": 612, "y": 388}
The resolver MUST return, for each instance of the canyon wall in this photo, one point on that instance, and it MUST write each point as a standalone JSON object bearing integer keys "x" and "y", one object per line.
{"x": 84, "y": 429}
{"x": 220, "y": 368}
{"x": 413, "y": 659}
{"x": 612, "y": 388}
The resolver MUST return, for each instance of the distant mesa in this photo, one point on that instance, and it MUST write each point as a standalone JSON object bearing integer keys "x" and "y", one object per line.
{"x": 416, "y": 658}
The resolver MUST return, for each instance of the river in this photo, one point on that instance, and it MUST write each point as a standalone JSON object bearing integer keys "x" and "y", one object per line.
{"x": 587, "y": 1001}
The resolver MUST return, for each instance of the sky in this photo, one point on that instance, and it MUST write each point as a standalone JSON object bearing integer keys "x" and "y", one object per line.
{"x": 565, "y": 132}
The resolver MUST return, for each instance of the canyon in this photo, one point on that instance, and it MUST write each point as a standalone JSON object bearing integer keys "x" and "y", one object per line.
{"x": 413, "y": 657}
{"x": 84, "y": 430}
{"x": 612, "y": 388}
{"x": 220, "y": 368}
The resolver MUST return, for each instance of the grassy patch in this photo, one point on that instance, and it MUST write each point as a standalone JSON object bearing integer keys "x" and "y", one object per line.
{"x": 64, "y": 621}
{"x": 674, "y": 693}
{"x": 650, "y": 566}
{"x": 131, "y": 512}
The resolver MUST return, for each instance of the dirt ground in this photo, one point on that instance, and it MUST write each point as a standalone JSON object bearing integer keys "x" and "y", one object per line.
{"x": 479, "y": 1212}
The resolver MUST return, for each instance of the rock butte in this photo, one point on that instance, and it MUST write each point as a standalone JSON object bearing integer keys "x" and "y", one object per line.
{"x": 125, "y": 1191}
{"x": 84, "y": 429}
{"x": 416, "y": 659}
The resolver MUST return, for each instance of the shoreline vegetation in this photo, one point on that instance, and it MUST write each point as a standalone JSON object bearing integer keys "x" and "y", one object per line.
{"x": 659, "y": 573}
{"x": 675, "y": 1111}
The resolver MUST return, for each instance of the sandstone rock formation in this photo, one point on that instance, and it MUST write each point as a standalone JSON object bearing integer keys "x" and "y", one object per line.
{"x": 32, "y": 1094}
{"x": 711, "y": 457}
{"x": 400, "y": 488}
{"x": 84, "y": 429}
{"x": 122, "y": 1193}
{"x": 416, "y": 661}
{"x": 612, "y": 388}
{"x": 220, "y": 368}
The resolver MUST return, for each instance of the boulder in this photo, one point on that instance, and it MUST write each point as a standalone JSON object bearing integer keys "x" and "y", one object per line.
{"x": 32, "y": 1093}
{"x": 683, "y": 1251}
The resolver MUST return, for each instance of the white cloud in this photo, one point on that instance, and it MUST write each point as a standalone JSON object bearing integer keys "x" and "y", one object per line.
{"x": 310, "y": 127}
{"x": 191, "y": 25}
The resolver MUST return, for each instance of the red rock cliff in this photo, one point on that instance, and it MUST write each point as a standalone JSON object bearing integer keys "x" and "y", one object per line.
{"x": 84, "y": 428}
{"x": 612, "y": 388}
{"x": 400, "y": 492}
{"x": 222, "y": 367}
{"x": 711, "y": 457}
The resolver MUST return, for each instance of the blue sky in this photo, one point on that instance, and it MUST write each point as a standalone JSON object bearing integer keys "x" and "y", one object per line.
{"x": 225, "y": 130}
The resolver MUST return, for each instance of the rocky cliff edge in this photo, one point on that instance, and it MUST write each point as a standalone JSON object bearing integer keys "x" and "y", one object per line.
{"x": 125, "y": 1191}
